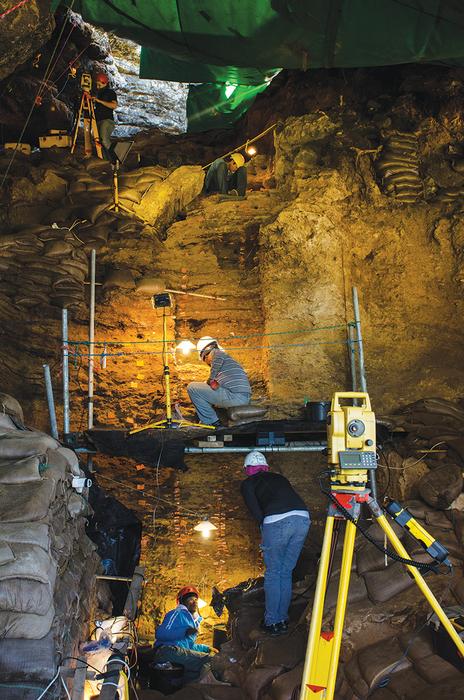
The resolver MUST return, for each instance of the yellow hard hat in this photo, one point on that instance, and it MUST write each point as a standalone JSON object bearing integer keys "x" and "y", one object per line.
{"x": 238, "y": 159}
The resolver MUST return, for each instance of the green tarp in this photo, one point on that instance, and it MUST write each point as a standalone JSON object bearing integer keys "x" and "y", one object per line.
{"x": 237, "y": 41}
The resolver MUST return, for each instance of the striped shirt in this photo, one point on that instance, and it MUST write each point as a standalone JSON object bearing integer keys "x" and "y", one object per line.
{"x": 229, "y": 374}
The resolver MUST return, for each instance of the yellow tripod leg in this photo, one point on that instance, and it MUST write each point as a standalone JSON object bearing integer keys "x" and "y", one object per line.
{"x": 438, "y": 610}
{"x": 310, "y": 669}
{"x": 342, "y": 597}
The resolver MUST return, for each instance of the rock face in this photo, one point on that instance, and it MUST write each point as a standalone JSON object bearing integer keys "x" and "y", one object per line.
{"x": 24, "y": 31}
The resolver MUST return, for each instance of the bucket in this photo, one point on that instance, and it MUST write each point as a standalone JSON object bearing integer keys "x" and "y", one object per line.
{"x": 219, "y": 635}
{"x": 316, "y": 411}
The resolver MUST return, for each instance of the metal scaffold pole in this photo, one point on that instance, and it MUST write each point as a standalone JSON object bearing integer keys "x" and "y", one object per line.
{"x": 362, "y": 372}
{"x": 64, "y": 339}
{"x": 93, "y": 257}
{"x": 50, "y": 401}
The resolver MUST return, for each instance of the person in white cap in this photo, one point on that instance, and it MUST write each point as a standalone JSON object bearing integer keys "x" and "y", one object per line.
{"x": 227, "y": 385}
{"x": 227, "y": 176}
{"x": 285, "y": 521}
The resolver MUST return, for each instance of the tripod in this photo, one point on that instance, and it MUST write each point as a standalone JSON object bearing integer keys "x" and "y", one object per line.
{"x": 164, "y": 301}
{"x": 351, "y": 449}
{"x": 87, "y": 110}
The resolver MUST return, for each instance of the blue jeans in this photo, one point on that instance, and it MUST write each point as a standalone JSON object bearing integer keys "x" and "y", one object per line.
{"x": 192, "y": 661}
{"x": 204, "y": 398}
{"x": 281, "y": 547}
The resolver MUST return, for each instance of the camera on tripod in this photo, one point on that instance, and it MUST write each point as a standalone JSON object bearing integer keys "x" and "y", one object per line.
{"x": 86, "y": 82}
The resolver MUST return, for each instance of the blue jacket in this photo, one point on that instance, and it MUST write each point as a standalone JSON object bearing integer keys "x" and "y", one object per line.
{"x": 173, "y": 630}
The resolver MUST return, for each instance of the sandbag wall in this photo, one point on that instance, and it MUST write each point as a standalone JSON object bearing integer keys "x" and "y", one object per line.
{"x": 47, "y": 563}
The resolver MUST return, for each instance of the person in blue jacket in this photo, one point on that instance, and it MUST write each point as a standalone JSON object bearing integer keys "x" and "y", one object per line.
{"x": 175, "y": 638}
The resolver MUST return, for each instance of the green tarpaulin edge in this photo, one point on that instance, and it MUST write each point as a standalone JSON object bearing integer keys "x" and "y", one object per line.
{"x": 210, "y": 41}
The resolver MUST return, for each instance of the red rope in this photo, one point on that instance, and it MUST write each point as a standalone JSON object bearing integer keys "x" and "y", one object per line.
{"x": 12, "y": 9}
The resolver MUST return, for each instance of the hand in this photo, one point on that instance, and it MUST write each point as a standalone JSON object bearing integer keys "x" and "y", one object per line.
{"x": 214, "y": 384}
{"x": 190, "y": 631}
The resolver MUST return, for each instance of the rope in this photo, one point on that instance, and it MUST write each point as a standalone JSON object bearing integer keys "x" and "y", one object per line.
{"x": 12, "y": 9}
{"x": 76, "y": 354}
{"x": 246, "y": 144}
{"x": 236, "y": 337}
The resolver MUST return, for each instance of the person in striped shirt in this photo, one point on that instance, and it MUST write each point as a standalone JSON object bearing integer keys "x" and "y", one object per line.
{"x": 227, "y": 385}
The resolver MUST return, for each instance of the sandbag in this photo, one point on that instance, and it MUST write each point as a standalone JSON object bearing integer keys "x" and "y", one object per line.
{"x": 25, "y": 596}
{"x": 441, "y": 486}
{"x": 257, "y": 680}
{"x": 9, "y": 405}
{"x": 377, "y": 660}
{"x": 30, "y": 562}
{"x": 23, "y": 470}
{"x": 72, "y": 460}
{"x": 25, "y": 625}
{"x": 248, "y": 411}
{"x": 28, "y": 659}
{"x": 407, "y": 683}
{"x": 356, "y": 592}
{"x": 26, "y": 533}
{"x": 449, "y": 689}
{"x": 383, "y": 585}
{"x": 26, "y": 503}
{"x": 434, "y": 669}
{"x": 287, "y": 652}
{"x": 418, "y": 645}
{"x": 355, "y": 678}
{"x": 150, "y": 285}
{"x": 286, "y": 686}
{"x": 16, "y": 444}
{"x": 122, "y": 279}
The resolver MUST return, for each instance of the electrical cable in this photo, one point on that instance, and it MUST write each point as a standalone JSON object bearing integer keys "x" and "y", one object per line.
{"x": 421, "y": 566}
{"x": 65, "y": 687}
{"x": 42, "y": 694}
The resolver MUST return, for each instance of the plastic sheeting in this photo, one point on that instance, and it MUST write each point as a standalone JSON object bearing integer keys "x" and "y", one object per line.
{"x": 222, "y": 42}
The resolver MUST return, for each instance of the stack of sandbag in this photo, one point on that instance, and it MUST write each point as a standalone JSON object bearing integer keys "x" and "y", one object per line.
{"x": 398, "y": 168}
{"x": 406, "y": 665}
{"x": 47, "y": 563}
{"x": 41, "y": 266}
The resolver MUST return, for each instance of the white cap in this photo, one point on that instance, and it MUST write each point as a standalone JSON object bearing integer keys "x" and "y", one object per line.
{"x": 204, "y": 342}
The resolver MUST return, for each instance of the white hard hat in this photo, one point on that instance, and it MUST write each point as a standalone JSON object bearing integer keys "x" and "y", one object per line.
{"x": 254, "y": 459}
{"x": 203, "y": 343}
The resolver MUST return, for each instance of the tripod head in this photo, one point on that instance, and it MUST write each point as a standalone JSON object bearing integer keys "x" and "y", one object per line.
{"x": 351, "y": 441}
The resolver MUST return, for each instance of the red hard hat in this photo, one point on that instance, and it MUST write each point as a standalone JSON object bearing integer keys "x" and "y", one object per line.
{"x": 102, "y": 78}
{"x": 186, "y": 590}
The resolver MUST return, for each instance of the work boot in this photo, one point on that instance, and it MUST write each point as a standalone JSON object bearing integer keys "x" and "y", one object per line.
{"x": 273, "y": 630}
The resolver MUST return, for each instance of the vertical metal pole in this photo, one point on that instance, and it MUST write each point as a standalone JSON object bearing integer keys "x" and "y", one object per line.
{"x": 362, "y": 372}
{"x": 93, "y": 257}
{"x": 50, "y": 402}
{"x": 64, "y": 338}
{"x": 352, "y": 353}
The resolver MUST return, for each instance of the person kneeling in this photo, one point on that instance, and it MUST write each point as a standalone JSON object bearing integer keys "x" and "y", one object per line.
{"x": 175, "y": 637}
{"x": 227, "y": 385}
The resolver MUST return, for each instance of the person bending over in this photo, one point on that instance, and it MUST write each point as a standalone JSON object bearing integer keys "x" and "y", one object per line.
{"x": 227, "y": 176}
{"x": 285, "y": 521}
{"x": 228, "y": 384}
{"x": 175, "y": 638}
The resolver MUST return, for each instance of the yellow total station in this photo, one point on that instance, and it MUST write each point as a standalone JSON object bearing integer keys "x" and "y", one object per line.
{"x": 351, "y": 445}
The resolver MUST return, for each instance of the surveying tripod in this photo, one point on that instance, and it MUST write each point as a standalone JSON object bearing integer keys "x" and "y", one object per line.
{"x": 87, "y": 111}
{"x": 164, "y": 301}
{"x": 352, "y": 453}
